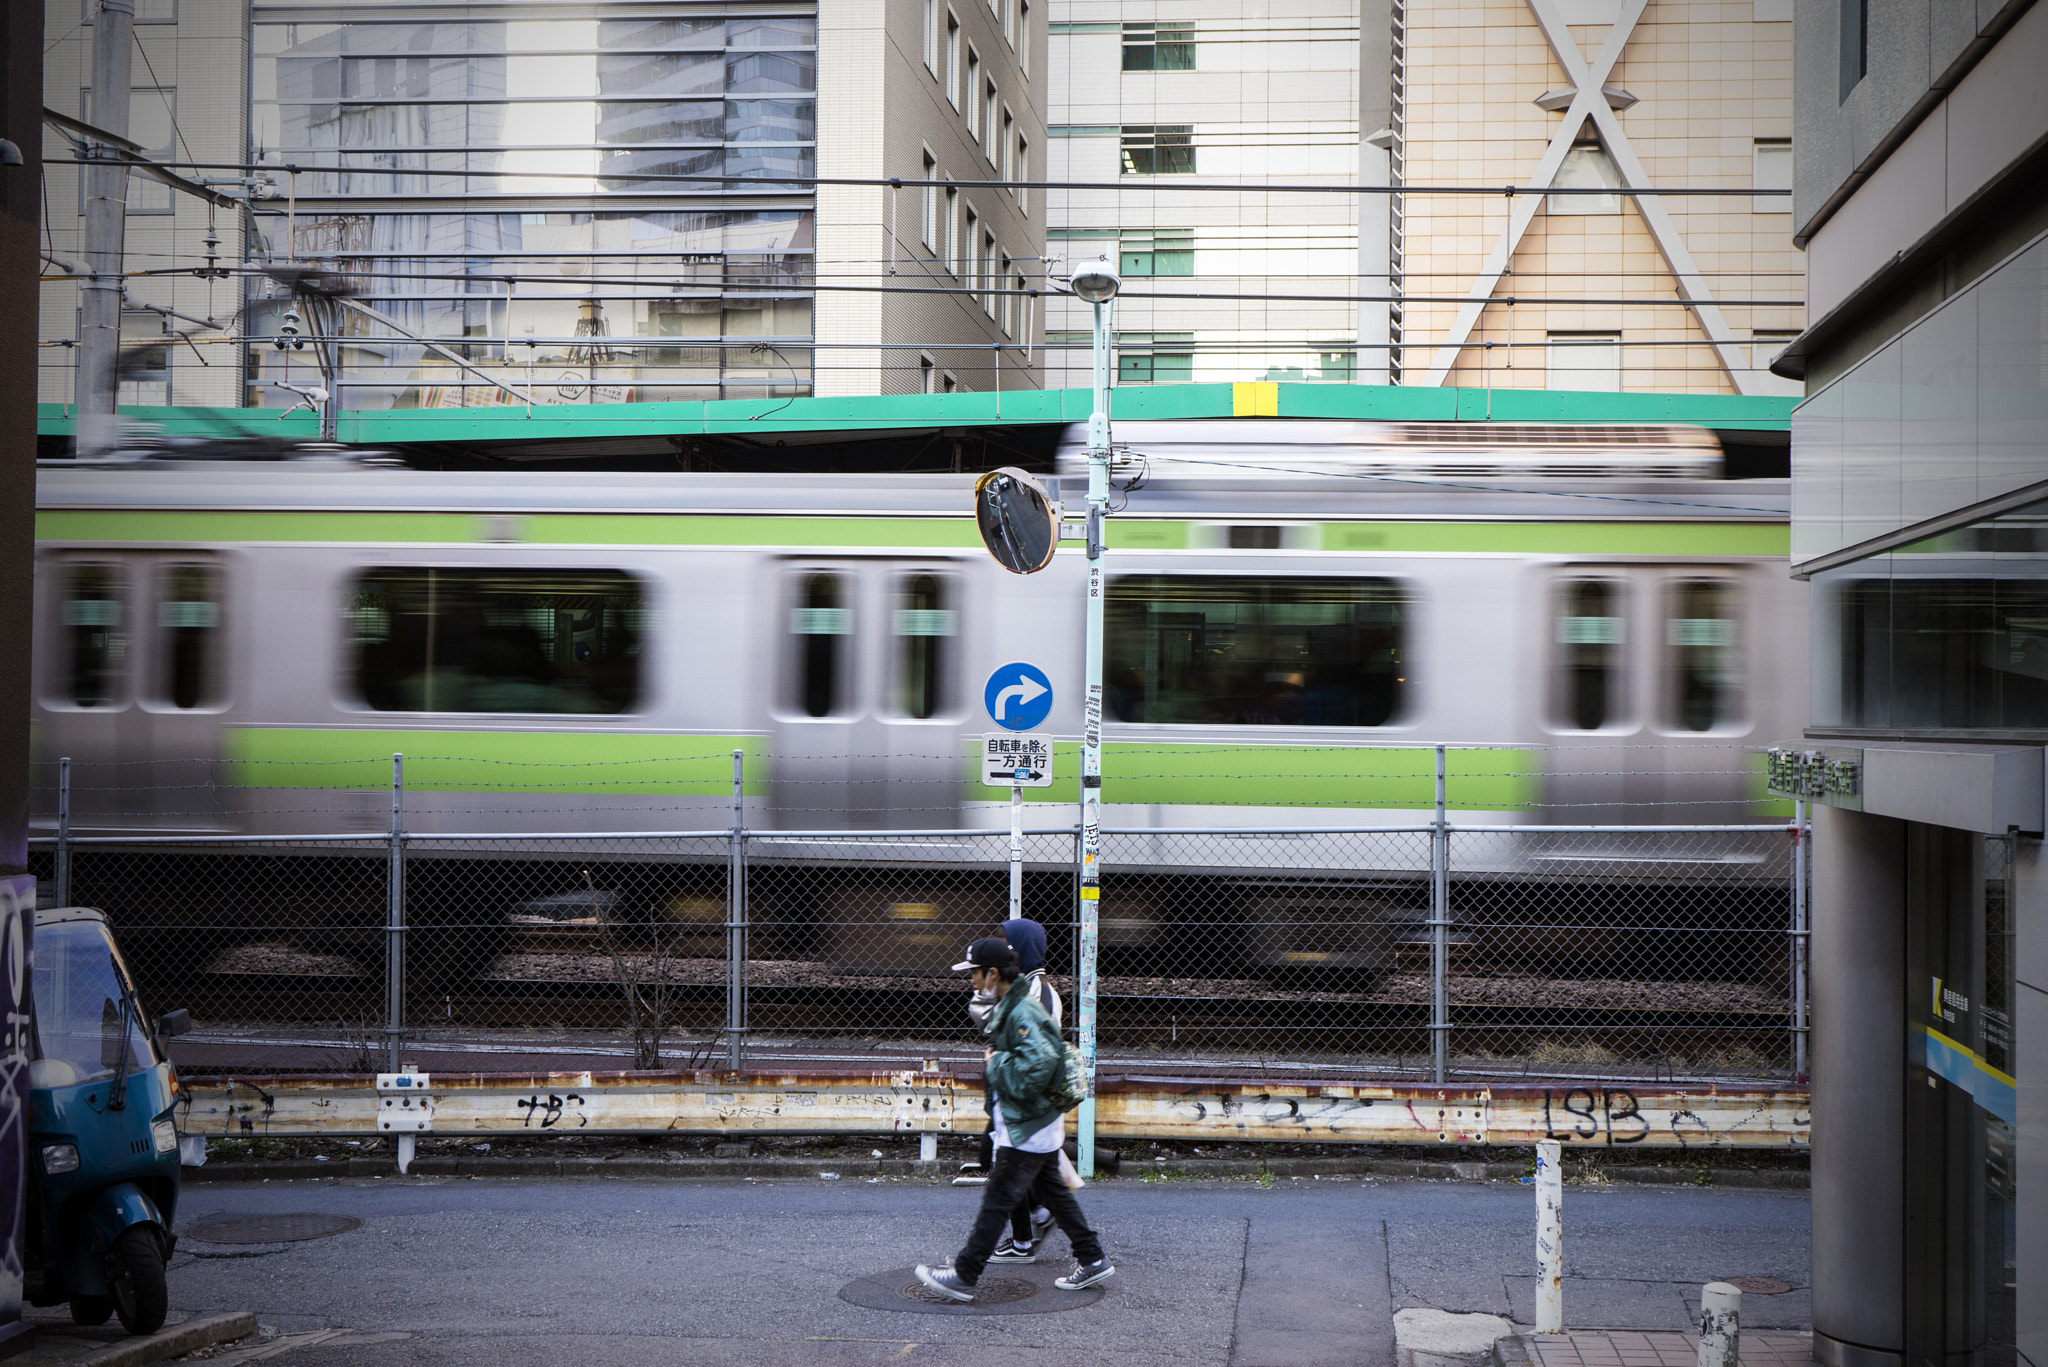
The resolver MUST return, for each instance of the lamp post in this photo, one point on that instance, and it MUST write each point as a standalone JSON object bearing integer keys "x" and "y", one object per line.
{"x": 1097, "y": 283}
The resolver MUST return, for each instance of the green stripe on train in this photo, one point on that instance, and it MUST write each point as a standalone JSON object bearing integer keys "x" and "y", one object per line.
{"x": 543, "y": 762}
{"x": 643, "y": 529}
{"x": 1331, "y": 776}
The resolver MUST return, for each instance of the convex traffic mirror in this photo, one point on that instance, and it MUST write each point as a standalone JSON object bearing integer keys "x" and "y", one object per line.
{"x": 1017, "y": 520}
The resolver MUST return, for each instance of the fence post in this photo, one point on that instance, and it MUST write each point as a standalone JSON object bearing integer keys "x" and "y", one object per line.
{"x": 736, "y": 924}
{"x": 63, "y": 870}
{"x": 394, "y": 924}
{"x": 1801, "y": 841}
{"x": 1440, "y": 933}
{"x": 1016, "y": 847}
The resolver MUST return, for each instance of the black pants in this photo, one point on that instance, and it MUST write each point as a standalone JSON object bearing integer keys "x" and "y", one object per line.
{"x": 1013, "y": 1178}
{"x": 1020, "y": 1218}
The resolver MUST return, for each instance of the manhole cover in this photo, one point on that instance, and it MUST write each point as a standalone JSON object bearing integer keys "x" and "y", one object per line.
{"x": 1762, "y": 1286}
{"x": 987, "y": 1291}
{"x": 1019, "y": 1291}
{"x": 271, "y": 1229}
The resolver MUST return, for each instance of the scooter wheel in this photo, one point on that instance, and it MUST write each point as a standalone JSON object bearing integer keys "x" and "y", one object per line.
{"x": 92, "y": 1309}
{"x": 135, "y": 1272}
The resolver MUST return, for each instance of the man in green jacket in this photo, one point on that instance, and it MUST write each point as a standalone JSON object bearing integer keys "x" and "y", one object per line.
{"x": 1024, "y": 1049}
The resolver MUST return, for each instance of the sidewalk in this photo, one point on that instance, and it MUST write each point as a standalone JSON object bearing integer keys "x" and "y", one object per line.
{"x": 1632, "y": 1348}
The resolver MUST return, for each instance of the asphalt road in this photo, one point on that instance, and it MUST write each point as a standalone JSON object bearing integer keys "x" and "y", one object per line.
{"x": 507, "y": 1272}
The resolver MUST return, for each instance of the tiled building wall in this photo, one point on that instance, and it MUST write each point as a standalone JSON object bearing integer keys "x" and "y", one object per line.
{"x": 1713, "y": 82}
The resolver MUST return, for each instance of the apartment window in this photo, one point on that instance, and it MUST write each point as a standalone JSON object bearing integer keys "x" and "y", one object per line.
{"x": 1164, "y": 251}
{"x": 952, "y": 77}
{"x": 1020, "y": 306}
{"x": 991, "y": 105}
{"x": 1586, "y": 166}
{"x": 1003, "y": 147}
{"x": 931, "y": 36}
{"x": 145, "y": 366}
{"x": 1009, "y": 21}
{"x": 927, "y": 375}
{"x": 948, "y": 384}
{"x": 1771, "y": 161}
{"x": 986, "y": 280}
{"x": 1021, "y": 172}
{"x": 1589, "y": 361}
{"x": 1855, "y": 43}
{"x": 1155, "y": 357}
{"x": 970, "y": 94}
{"x": 970, "y": 242}
{"x": 944, "y": 246}
{"x": 1024, "y": 36}
{"x": 1005, "y": 302}
{"x": 930, "y": 229}
{"x": 1159, "y": 47}
{"x": 1158, "y": 149}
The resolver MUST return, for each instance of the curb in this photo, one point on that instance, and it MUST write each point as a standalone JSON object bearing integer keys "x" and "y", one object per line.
{"x": 1512, "y": 1350}
{"x": 175, "y": 1341}
{"x": 1192, "y": 1169}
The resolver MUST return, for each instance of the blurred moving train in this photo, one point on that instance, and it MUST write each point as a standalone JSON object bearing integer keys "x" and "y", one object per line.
{"x": 1296, "y": 611}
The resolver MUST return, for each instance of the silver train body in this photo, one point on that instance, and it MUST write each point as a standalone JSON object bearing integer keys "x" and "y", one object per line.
{"x": 1600, "y": 628}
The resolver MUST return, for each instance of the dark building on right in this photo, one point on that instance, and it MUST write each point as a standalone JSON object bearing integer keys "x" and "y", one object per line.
{"x": 1920, "y": 518}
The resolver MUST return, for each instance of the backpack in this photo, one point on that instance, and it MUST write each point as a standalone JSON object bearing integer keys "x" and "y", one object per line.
{"x": 1068, "y": 1085}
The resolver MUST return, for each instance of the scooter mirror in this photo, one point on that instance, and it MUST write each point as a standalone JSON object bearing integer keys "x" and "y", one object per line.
{"x": 174, "y": 1023}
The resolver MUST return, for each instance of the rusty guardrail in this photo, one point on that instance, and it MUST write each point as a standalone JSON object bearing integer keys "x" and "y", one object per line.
{"x": 938, "y": 1100}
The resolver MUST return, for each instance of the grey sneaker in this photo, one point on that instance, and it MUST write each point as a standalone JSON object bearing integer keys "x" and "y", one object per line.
{"x": 946, "y": 1282}
{"x": 1008, "y": 1251}
{"x": 1084, "y": 1275}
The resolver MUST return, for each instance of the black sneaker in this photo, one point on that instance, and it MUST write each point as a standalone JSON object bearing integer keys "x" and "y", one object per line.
{"x": 946, "y": 1282}
{"x": 1083, "y": 1276}
{"x": 1008, "y": 1251}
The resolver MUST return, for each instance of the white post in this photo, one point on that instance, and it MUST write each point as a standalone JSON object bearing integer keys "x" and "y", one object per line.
{"x": 1016, "y": 844}
{"x": 928, "y": 1147}
{"x": 1091, "y": 740}
{"x": 405, "y": 1149}
{"x": 1550, "y": 1238}
{"x": 1720, "y": 1325}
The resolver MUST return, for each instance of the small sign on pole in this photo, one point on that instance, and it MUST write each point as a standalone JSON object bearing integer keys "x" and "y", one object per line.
{"x": 1009, "y": 760}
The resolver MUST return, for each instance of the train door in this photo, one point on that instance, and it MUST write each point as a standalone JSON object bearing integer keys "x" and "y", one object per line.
{"x": 1645, "y": 684}
{"x": 868, "y": 695}
{"x": 134, "y": 671}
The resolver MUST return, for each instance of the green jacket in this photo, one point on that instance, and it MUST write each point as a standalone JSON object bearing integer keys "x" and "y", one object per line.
{"x": 1027, "y": 1050}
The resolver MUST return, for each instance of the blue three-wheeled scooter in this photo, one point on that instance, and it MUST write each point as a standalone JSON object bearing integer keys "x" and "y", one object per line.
{"x": 103, "y": 1145}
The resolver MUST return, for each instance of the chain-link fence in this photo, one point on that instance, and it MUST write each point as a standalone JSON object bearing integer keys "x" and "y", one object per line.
{"x": 1407, "y": 951}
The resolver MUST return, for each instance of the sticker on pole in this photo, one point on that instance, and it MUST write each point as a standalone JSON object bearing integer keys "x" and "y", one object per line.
{"x": 1018, "y": 696}
{"x": 1009, "y": 761}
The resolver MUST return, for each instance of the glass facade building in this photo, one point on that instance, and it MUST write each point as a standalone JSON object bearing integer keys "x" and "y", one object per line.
{"x": 623, "y": 229}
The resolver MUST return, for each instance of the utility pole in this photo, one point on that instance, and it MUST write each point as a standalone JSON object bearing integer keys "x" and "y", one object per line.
{"x": 106, "y": 228}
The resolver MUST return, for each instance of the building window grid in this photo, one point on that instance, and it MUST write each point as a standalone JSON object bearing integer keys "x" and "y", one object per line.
{"x": 1157, "y": 149}
{"x": 1159, "y": 47}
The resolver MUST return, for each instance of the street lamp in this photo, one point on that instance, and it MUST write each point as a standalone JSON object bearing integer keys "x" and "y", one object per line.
{"x": 1097, "y": 282}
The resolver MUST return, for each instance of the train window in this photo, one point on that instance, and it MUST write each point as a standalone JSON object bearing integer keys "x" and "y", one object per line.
{"x": 462, "y": 640}
{"x": 820, "y": 622}
{"x": 188, "y": 654}
{"x": 924, "y": 629}
{"x": 1256, "y": 652}
{"x": 96, "y": 637}
{"x": 1704, "y": 663}
{"x": 1591, "y": 634}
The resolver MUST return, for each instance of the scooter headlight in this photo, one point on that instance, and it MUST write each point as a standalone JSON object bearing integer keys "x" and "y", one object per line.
{"x": 166, "y": 1136}
{"x": 59, "y": 1158}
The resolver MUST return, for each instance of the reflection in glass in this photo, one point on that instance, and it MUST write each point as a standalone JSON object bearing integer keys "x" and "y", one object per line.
{"x": 458, "y": 640}
{"x": 1254, "y": 651}
{"x": 819, "y": 622}
{"x": 189, "y": 670}
{"x": 1590, "y": 636}
{"x": 1704, "y": 668}
{"x": 96, "y": 637}
{"x": 79, "y": 996}
{"x": 924, "y": 627}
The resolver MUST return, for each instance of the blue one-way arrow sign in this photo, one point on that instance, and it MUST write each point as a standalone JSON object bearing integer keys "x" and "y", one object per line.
{"x": 1018, "y": 696}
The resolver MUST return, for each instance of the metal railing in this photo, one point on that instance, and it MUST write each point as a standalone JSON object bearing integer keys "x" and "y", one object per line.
{"x": 1434, "y": 950}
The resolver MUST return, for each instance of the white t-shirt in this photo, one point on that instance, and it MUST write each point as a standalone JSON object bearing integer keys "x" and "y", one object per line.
{"x": 1045, "y": 1141}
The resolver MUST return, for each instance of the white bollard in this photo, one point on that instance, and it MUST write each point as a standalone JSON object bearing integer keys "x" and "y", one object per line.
{"x": 928, "y": 1147}
{"x": 405, "y": 1143}
{"x": 1720, "y": 1325}
{"x": 1550, "y": 1238}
